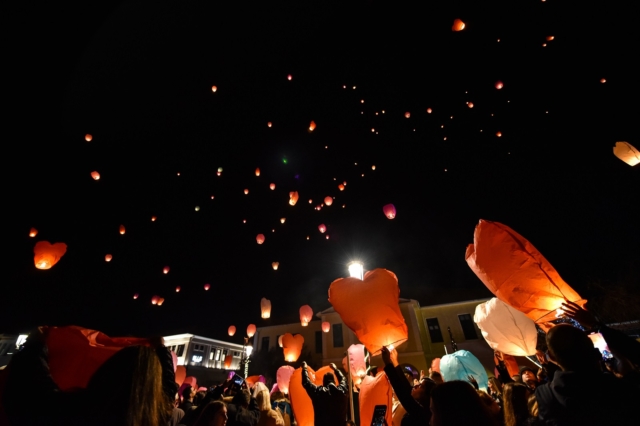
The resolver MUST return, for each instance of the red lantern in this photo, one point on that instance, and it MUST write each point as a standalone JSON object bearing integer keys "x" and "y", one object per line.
{"x": 328, "y": 200}
{"x": 232, "y": 330}
{"x": 289, "y": 77}
{"x": 499, "y": 85}
{"x": 269, "y": 124}
{"x": 306, "y": 313}
{"x": 470, "y": 104}
{"x": 251, "y": 330}
{"x": 154, "y": 300}
{"x": 178, "y": 289}
{"x": 260, "y": 238}
{"x": 165, "y": 270}
{"x": 272, "y": 186}
{"x": 33, "y": 232}
{"x": 322, "y": 228}
{"x": 95, "y": 175}
{"x": 341, "y": 187}
{"x": 153, "y": 218}
{"x": 326, "y": 327}
{"x": 429, "y": 110}
{"x": 46, "y": 254}
{"x": 312, "y": 126}
{"x": 227, "y": 361}
{"x": 407, "y": 114}
{"x": 160, "y": 301}
{"x": 135, "y": 296}
{"x": 375, "y": 391}
{"x": 258, "y": 171}
{"x": 122, "y": 230}
{"x": 293, "y": 198}
{"x": 246, "y": 191}
{"x": 458, "y": 25}
{"x": 292, "y": 346}
{"x": 389, "y": 211}
{"x": 108, "y": 258}
{"x": 207, "y": 287}
{"x": 88, "y": 137}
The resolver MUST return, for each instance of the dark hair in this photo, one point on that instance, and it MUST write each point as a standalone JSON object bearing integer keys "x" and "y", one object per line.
{"x": 277, "y": 395}
{"x": 209, "y": 413}
{"x": 242, "y": 398}
{"x": 516, "y": 410}
{"x": 186, "y": 392}
{"x": 496, "y": 384}
{"x": 570, "y": 347}
{"x": 328, "y": 379}
{"x": 448, "y": 400}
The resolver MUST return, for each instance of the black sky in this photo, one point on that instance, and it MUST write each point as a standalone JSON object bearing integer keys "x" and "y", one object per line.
{"x": 138, "y": 77}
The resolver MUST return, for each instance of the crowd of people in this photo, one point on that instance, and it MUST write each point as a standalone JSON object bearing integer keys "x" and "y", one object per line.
{"x": 575, "y": 385}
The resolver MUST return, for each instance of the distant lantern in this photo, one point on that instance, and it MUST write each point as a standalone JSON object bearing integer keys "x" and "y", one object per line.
{"x": 407, "y": 114}
{"x": 272, "y": 186}
{"x": 214, "y": 89}
{"x": 260, "y": 238}
{"x": 207, "y": 287}
{"x": 122, "y": 230}
{"x": 306, "y": 313}
{"x": 499, "y": 85}
{"x": 33, "y": 232}
{"x": 373, "y": 167}
{"x": 246, "y": 191}
{"x": 95, "y": 175}
{"x": 165, "y": 270}
{"x": 275, "y": 265}
{"x": 470, "y": 104}
{"x": 232, "y": 330}
{"x": 88, "y": 137}
{"x": 154, "y": 300}
{"x": 310, "y": 201}
{"x": 458, "y": 25}
{"x": 269, "y": 124}
{"x": 389, "y": 211}
{"x": 280, "y": 340}
{"x": 251, "y": 330}
{"x": 429, "y": 110}
{"x": 108, "y": 258}
{"x": 341, "y": 187}
{"x": 312, "y": 126}
{"x": 549, "y": 38}
{"x": 602, "y": 80}
{"x": 328, "y": 200}
{"x": 160, "y": 301}
{"x": 258, "y": 171}
{"x": 627, "y": 153}
{"x": 265, "y": 308}
{"x": 283, "y": 219}
{"x": 326, "y": 327}
{"x": 197, "y": 208}
{"x": 499, "y": 134}
{"x": 289, "y": 77}
{"x": 227, "y": 361}
{"x": 293, "y": 198}
{"x": 219, "y": 169}
{"x": 153, "y": 218}
{"x": 292, "y": 346}
{"x": 322, "y": 228}
{"x": 46, "y": 254}
{"x": 178, "y": 289}
{"x": 135, "y": 296}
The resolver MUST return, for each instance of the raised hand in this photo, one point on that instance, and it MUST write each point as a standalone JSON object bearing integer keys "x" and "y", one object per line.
{"x": 582, "y": 316}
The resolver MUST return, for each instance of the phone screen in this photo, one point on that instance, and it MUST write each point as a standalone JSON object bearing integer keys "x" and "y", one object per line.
{"x": 379, "y": 413}
{"x": 237, "y": 379}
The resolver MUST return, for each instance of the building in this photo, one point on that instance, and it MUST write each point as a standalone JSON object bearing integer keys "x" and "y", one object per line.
{"x": 198, "y": 351}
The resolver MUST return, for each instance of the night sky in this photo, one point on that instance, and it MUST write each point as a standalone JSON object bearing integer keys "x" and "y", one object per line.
{"x": 138, "y": 78}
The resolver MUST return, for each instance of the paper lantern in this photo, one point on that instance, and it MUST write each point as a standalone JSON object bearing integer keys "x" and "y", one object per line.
{"x": 181, "y": 374}
{"x": 356, "y": 359}
{"x": 178, "y": 289}
{"x": 257, "y": 171}
{"x": 153, "y": 218}
{"x": 207, "y": 287}
{"x": 108, "y": 258}
{"x": 462, "y": 364}
{"x": 407, "y": 114}
{"x": 602, "y": 80}
{"x": 154, "y": 300}
{"x": 275, "y": 265}
{"x": 292, "y": 346}
{"x": 328, "y": 200}
{"x": 135, "y": 296}
{"x": 160, "y": 301}
{"x": 265, "y": 307}
{"x": 293, "y": 198}
{"x": 435, "y": 365}
{"x": 122, "y": 230}
{"x": 33, "y": 232}
{"x": 260, "y": 238}
{"x": 470, "y": 104}
{"x": 227, "y": 361}
{"x": 88, "y": 137}
{"x": 389, "y": 211}
{"x": 232, "y": 330}
{"x": 506, "y": 329}
{"x": 283, "y": 219}
{"x": 283, "y": 375}
{"x": 499, "y": 134}
{"x": 246, "y": 191}
{"x": 458, "y": 25}
{"x": 516, "y": 273}
{"x": 312, "y": 126}
{"x": 375, "y": 391}
{"x": 165, "y": 270}
{"x": 251, "y": 330}
{"x": 499, "y": 85}
{"x": 214, "y": 89}
{"x": 272, "y": 186}
{"x": 341, "y": 187}
{"x": 306, "y": 313}
{"x": 280, "y": 340}
{"x": 95, "y": 175}
{"x": 300, "y": 401}
{"x": 269, "y": 124}
{"x": 322, "y": 228}
{"x": 46, "y": 254}
{"x": 326, "y": 327}
{"x": 549, "y": 38}
{"x": 429, "y": 110}
{"x": 375, "y": 318}
{"x": 289, "y": 77}
{"x": 627, "y": 153}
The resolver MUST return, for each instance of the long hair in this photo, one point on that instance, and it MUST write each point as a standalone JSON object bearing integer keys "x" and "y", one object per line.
{"x": 263, "y": 400}
{"x": 208, "y": 414}
{"x": 516, "y": 409}
{"x": 496, "y": 384}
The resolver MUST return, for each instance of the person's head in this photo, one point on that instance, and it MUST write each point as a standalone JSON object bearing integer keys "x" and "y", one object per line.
{"x": 489, "y": 402}
{"x": 277, "y": 395}
{"x": 457, "y": 403}
{"x": 421, "y": 391}
{"x": 495, "y": 386}
{"x": 242, "y": 398}
{"x": 328, "y": 379}
{"x": 528, "y": 376}
{"x": 213, "y": 414}
{"x": 572, "y": 349}
{"x": 263, "y": 400}
{"x": 199, "y": 397}
{"x": 515, "y": 400}
{"x": 188, "y": 392}
{"x": 436, "y": 377}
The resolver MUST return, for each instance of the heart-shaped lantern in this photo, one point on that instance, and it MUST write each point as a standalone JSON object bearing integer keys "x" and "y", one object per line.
{"x": 46, "y": 254}
{"x": 300, "y": 401}
{"x": 375, "y": 391}
{"x": 369, "y": 307}
{"x": 292, "y": 346}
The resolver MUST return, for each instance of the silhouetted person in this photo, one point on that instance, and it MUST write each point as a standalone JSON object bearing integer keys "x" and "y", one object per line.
{"x": 329, "y": 400}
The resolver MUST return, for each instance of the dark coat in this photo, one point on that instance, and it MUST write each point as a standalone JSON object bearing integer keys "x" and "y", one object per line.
{"x": 329, "y": 402}
{"x": 240, "y": 416}
{"x": 416, "y": 413}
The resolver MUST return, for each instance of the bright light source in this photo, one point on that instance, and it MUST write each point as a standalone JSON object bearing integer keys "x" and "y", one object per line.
{"x": 248, "y": 349}
{"x": 356, "y": 270}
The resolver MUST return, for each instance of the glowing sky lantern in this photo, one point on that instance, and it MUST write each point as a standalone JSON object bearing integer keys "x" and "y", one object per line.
{"x": 499, "y": 85}
{"x": 275, "y": 265}
{"x": 292, "y": 346}
{"x": 46, "y": 254}
{"x": 549, "y": 38}
{"x": 462, "y": 364}
{"x": 258, "y": 171}
{"x": 356, "y": 358}
{"x": 429, "y": 110}
{"x": 603, "y": 80}
{"x": 214, "y": 89}
{"x": 269, "y": 124}
{"x": 108, "y": 258}
{"x": 499, "y": 134}
{"x": 328, "y": 200}
{"x": 376, "y": 318}
{"x": 506, "y": 329}
{"x": 165, "y": 270}
{"x": 375, "y": 391}
{"x": 407, "y": 114}
{"x": 458, "y": 25}
{"x": 95, "y": 175}
{"x": 289, "y": 77}
{"x": 517, "y": 273}
{"x": 326, "y": 327}
{"x": 322, "y": 228}
{"x": 178, "y": 289}
{"x": 153, "y": 218}
{"x": 88, "y": 137}
{"x": 283, "y": 219}
{"x": 232, "y": 330}
{"x": 246, "y": 191}
{"x": 160, "y": 301}
{"x": 341, "y": 187}
{"x": 283, "y": 375}
{"x": 470, "y": 104}
{"x": 135, "y": 296}
{"x": 306, "y": 313}
{"x": 293, "y": 198}
{"x": 227, "y": 361}
{"x": 207, "y": 287}
{"x": 33, "y": 232}
{"x": 251, "y": 330}
{"x": 389, "y": 211}
{"x": 260, "y": 238}
{"x": 265, "y": 308}
{"x": 154, "y": 300}
{"x": 122, "y": 230}
{"x": 272, "y": 186}
{"x": 280, "y": 340}
{"x": 312, "y": 126}
{"x": 219, "y": 169}
{"x": 627, "y": 153}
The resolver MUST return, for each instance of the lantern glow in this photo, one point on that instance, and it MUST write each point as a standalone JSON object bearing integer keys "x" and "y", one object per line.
{"x": 260, "y": 238}
{"x": 232, "y": 330}
{"x": 293, "y": 198}
{"x": 207, "y": 287}
{"x": 322, "y": 228}
{"x": 122, "y": 230}
{"x": 328, "y": 200}
{"x": 306, "y": 313}
{"x": 275, "y": 265}
{"x": 627, "y": 153}
{"x": 95, "y": 175}
{"x": 265, "y": 308}
{"x": 458, "y": 25}
{"x": 389, "y": 211}
{"x": 326, "y": 327}
{"x": 33, "y": 232}
{"x": 251, "y": 330}
{"x": 46, "y": 254}
{"x": 108, "y": 258}
{"x": 292, "y": 346}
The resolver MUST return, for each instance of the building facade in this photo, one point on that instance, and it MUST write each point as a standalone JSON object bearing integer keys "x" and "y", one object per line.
{"x": 198, "y": 351}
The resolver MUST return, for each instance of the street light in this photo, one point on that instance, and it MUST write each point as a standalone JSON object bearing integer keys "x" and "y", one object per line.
{"x": 246, "y": 353}
{"x": 356, "y": 270}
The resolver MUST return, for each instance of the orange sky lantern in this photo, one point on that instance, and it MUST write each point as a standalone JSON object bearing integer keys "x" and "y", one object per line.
{"x": 165, "y": 270}
{"x": 260, "y": 238}
{"x": 269, "y": 124}
{"x": 178, "y": 289}
{"x": 46, "y": 254}
{"x": 499, "y": 134}
{"x": 88, "y": 137}
{"x": 108, "y": 258}
{"x": 160, "y": 301}
{"x": 95, "y": 175}
{"x": 341, "y": 187}
{"x": 33, "y": 232}
{"x": 470, "y": 104}
{"x": 549, "y": 38}
{"x": 292, "y": 346}
{"x": 227, "y": 361}
{"x": 300, "y": 402}
{"x": 265, "y": 308}
{"x": 499, "y": 85}
{"x": 207, "y": 287}
{"x": 283, "y": 219}
{"x": 407, "y": 114}
{"x": 280, "y": 340}
{"x": 458, "y": 25}
{"x": 376, "y": 318}
{"x": 153, "y": 218}
{"x": 326, "y": 327}
{"x": 375, "y": 391}
{"x": 232, "y": 330}
{"x": 627, "y": 153}
{"x": 517, "y": 273}
{"x": 603, "y": 80}
{"x": 429, "y": 110}
{"x": 322, "y": 228}
{"x": 122, "y": 230}
{"x": 214, "y": 89}
{"x": 293, "y": 198}
{"x": 246, "y": 191}
{"x": 154, "y": 300}
{"x": 135, "y": 296}
{"x": 328, "y": 200}
{"x": 272, "y": 186}
{"x": 258, "y": 171}
{"x": 306, "y": 314}
{"x": 275, "y": 265}
{"x": 312, "y": 126}
{"x": 251, "y": 330}
{"x": 389, "y": 211}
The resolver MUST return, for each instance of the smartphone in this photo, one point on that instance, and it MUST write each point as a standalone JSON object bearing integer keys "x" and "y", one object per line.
{"x": 379, "y": 414}
{"x": 237, "y": 379}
